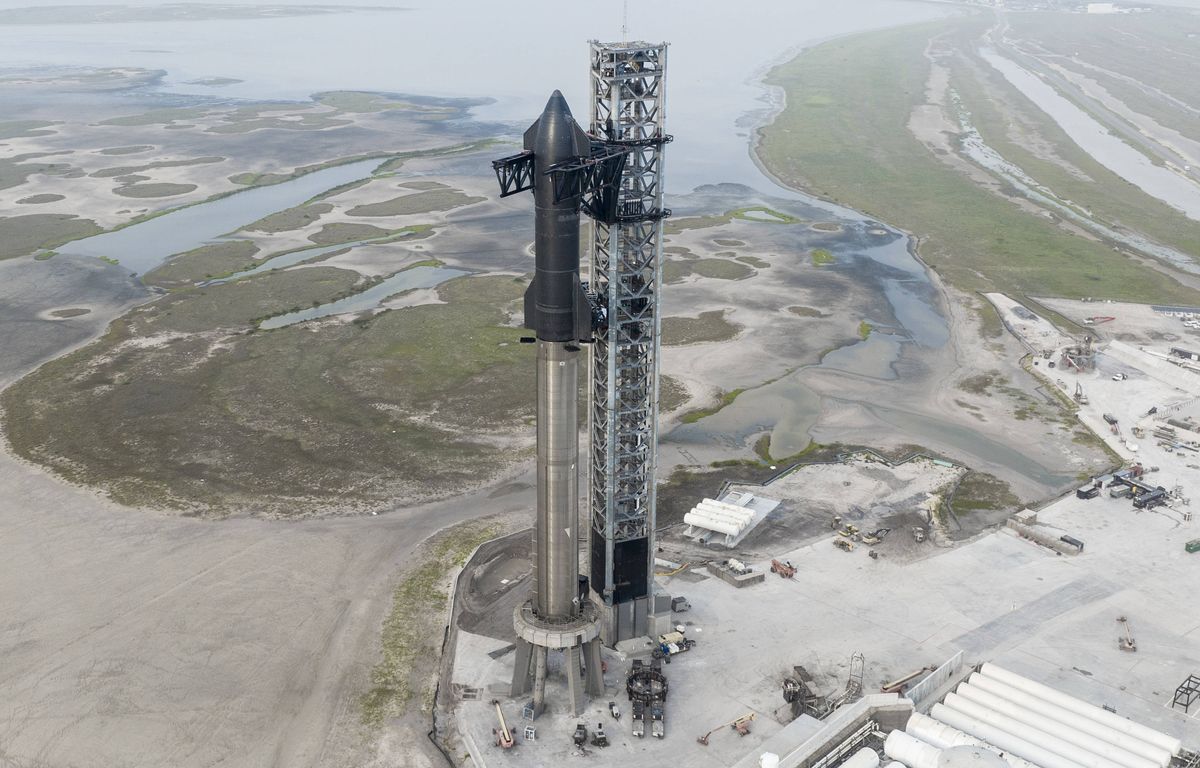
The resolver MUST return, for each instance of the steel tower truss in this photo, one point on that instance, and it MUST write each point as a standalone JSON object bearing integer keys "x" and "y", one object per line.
{"x": 627, "y": 86}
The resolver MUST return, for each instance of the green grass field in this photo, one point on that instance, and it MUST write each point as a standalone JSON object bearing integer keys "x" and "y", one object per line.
{"x": 844, "y": 135}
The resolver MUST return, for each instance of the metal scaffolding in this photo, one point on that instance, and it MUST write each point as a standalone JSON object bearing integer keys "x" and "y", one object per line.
{"x": 627, "y": 109}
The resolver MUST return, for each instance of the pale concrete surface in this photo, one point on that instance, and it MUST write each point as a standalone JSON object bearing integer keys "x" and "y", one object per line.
{"x": 999, "y": 597}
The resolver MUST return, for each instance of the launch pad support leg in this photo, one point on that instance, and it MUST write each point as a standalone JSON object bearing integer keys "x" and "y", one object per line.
{"x": 575, "y": 680}
{"x": 594, "y": 666}
{"x": 522, "y": 681}
{"x": 539, "y": 680}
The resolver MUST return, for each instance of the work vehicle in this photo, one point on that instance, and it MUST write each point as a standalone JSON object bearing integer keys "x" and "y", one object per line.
{"x": 639, "y": 718}
{"x": 599, "y": 737}
{"x": 1150, "y": 499}
{"x": 503, "y": 734}
{"x": 581, "y": 734}
{"x": 658, "y": 727}
{"x": 784, "y": 568}
{"x": 672, "y": 644}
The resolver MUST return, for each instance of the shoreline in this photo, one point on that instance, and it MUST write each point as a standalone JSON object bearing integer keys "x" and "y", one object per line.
{"x": 948, "y": 303}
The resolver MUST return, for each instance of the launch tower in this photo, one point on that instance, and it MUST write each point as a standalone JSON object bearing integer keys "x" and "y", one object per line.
{"x": 628, "y": 110}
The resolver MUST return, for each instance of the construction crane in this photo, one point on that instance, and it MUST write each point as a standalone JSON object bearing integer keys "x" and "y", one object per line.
{"x": 741, "y": 725}
{"x": 504, "y": 737}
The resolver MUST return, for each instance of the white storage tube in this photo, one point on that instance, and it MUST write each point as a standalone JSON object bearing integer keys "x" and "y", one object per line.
{"x": 1113, "y": 748}
{"x": 943, "y": 736}
{"x": 863, "y": 758}
{"x": 1000, "y": 739}
{"x": 914, "y": 753}
{"x": 1050, "y": 741}
{"x": 709, "y": 524}
{"x": 1045, "y": 692}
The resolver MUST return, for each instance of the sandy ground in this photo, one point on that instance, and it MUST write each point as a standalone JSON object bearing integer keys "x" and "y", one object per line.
{"x": 135, "y": 638}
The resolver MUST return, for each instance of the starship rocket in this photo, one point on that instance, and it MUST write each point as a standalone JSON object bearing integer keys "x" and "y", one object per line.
{"x": 558, "y": 311}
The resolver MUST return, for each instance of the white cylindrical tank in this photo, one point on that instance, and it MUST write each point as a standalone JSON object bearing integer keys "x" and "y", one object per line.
{"x": 1169, "y": 743}
{"x": 709, "y": 524}
{"x": 1000, "y": 739}
{"x": 970, "y": 757}
{"x": 863, "y": 758}
{"x": 943, "y": 736}
{"x": 768, "y": 760}
{"x": 1113, "y": 749}
{"x": 1074, "y": 720}
{"x": 905, "y": 749}
{"x": 1117, "y": 736}
{"x": 1050, "y": 741}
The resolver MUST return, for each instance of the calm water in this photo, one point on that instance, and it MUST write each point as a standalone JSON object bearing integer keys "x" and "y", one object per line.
{"x": 1100, "y": 143}
{"x": 417, "y": 277}
{"x": 474, "y": 49}
{"x": 144, "y": 246}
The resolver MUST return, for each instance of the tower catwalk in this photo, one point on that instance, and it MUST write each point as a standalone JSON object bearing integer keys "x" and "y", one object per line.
{"x": 628, "y": 110}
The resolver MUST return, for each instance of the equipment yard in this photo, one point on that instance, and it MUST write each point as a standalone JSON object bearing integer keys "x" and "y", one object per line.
{"x": 915, "y": 605}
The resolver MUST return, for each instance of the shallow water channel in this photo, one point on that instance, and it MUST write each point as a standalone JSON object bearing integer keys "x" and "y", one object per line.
{"x": 1095, "y": 139}
{"x": 144, "y": 246}
{"x": 409, "y": 279}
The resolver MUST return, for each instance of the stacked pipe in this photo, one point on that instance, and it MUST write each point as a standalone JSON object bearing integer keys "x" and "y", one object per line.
{"x": 1028, "y": 721}
{"x": 718, "y": 516}
{"x": 1077, "y": 729}
{"x": 942, "y": 736}
{"x": 1106, "y": 725}
{"x": 912, "y": 752}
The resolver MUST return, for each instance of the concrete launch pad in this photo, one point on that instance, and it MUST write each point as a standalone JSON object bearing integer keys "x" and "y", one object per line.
{"x": 996, "y": 597}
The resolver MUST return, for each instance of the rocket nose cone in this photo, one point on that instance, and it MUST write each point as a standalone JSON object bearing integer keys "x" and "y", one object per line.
{"x": 557, "y": 104}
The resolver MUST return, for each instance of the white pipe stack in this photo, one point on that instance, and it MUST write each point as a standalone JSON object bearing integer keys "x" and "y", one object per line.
{"x": 863, "y": 758}
{"x": 912, "y": 752}
{"x": 1080, "y": 707}
{"x": 718, "y": 516}
{"x": 1000, "y": 739}
{"x": 943, "y": 736}
{"x": 1115, "y": 746}
{"x": 1049, "y": 741}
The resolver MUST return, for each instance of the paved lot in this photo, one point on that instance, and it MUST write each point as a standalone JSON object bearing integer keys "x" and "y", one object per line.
{"x": 999, "y": 597}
